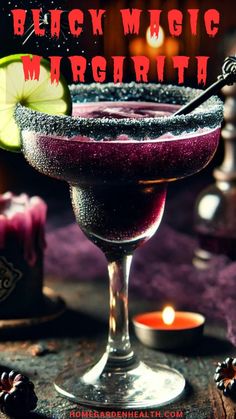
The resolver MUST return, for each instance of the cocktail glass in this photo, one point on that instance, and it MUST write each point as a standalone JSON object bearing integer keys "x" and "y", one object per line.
{"x": 118, "y": 164}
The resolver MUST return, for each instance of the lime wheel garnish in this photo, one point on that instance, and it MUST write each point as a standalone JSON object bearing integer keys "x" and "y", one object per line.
{"x": 40, "y": 95}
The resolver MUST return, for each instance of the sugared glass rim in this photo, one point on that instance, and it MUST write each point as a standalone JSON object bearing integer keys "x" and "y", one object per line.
{"x": 209, "y": 114}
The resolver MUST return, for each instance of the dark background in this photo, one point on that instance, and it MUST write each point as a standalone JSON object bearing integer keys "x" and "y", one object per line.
{"x": 15, "y": 173}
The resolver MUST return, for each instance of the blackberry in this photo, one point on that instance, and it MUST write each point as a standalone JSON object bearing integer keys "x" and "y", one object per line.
{"x": 225, "y": 377}
{"x": 17, "y": 396}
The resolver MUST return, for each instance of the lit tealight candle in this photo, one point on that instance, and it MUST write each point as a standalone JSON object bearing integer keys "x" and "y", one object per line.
{"x": 169, "y": 329}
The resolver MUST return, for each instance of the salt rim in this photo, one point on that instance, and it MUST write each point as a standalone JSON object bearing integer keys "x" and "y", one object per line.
{"x": 209, "y": 114}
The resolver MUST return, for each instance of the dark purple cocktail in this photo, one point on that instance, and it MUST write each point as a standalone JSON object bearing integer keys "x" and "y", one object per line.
{"x": 118, "y": 154}
{"x": 119, "y": 187}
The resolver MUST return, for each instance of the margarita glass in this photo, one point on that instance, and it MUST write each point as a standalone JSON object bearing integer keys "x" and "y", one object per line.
{"x": 118, "y": 152}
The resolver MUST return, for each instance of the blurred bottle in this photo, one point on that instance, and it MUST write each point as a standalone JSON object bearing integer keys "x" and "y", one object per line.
{"x": 215, "y": 210}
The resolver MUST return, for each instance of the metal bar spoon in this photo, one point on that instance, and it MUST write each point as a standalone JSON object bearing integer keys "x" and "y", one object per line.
{"x": 228, "y": 77}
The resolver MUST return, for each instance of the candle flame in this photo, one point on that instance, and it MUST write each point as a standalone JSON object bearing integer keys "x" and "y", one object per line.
{"x": 155, "y": 41}
{"x": 168, "y": 315}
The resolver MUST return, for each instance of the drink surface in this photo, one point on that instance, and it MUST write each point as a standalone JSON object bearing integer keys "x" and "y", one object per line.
{"x": 120, "y": 110}
{"x": 82, "y": 159}
{"x": 118, "y": 185}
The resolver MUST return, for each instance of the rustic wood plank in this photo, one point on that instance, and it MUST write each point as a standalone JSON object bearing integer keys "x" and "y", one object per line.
{"x": 83, "y": 329}
{"x": 223, "y": 407}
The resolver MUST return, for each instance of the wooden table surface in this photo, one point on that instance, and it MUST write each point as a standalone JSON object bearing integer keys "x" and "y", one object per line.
{"x": 83, "y": 328}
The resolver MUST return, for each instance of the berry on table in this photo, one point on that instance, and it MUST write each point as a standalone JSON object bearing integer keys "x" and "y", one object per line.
{"x": 225, "y": 377}
{"x": 17, "y": 396}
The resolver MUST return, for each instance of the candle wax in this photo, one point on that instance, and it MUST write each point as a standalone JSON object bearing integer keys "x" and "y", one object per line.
{"x": 22, "y": 220}
{"x": 183, "y": 320}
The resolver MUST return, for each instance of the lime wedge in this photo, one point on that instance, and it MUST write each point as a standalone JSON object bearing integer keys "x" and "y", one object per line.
{"x": 40, "y": 95}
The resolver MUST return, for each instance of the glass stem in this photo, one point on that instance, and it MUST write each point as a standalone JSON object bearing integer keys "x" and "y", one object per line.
{"x": 119, "y": 348}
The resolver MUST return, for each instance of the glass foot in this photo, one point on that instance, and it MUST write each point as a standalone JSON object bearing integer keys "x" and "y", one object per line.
{"x": 139, "y": 386}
